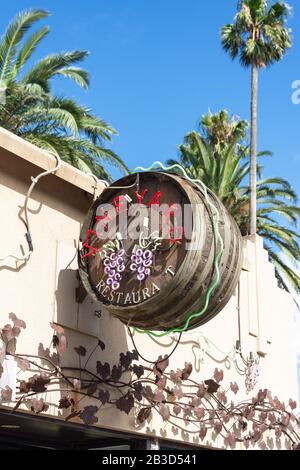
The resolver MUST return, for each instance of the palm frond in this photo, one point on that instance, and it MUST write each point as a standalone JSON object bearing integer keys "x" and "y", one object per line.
{"x": 258, "y": 35}
{"x": 78, "y": 75}
{"x": 52, "y": 65}
{"x": 284, "y": 272}
{"x": 223, "y": 169}
{"x": 27, "y": 50}
{"x": 57, "y": 124}
{"x": 14, "y": 35}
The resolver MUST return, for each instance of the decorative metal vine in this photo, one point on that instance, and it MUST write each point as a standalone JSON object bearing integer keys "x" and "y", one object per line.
{"x": 195, "y": 407}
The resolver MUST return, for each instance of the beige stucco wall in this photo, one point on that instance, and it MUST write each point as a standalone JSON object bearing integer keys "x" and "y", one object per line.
{"x": 43, "y": 291}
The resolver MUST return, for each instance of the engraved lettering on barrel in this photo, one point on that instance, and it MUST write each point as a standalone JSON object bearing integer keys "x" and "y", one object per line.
{"x": 155, "y": 288}
{"x": 134, "y": 300}
{"x": 100, "y": 285}
{"x": 169, "y": 270}
{"x": 119, "y": 295}
{"x": 105, "y": 290}
{"x": 146, "y": 293}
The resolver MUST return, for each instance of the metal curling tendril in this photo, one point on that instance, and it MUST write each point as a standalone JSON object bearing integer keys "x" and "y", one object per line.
{"x": 216, "y": 218}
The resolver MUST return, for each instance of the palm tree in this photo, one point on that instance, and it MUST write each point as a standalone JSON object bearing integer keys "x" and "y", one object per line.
{"x": 220, "y": 130}
{"x": 31, "y": 110}
{"x": 259, "y": 37}
{"x": 223, "y": 167}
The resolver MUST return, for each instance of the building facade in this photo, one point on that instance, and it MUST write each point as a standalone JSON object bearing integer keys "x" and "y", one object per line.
{"x": 249, "y": 346}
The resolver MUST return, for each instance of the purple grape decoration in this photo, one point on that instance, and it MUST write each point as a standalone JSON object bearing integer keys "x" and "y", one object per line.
{"x": 141, "y": 262}
{"x": 114, "y": 265}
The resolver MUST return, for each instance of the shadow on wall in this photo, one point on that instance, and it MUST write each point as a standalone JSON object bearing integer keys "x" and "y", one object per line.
{"x": 86, "y": 323}
{"x": 17, "y": 260}
{"x": 92, "y": 337}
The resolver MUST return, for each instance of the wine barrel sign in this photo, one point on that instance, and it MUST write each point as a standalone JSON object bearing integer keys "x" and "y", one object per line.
{"x": 148, "y": 251}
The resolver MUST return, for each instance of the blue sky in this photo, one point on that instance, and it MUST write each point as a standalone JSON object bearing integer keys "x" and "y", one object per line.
{"x": 157, "y": 66}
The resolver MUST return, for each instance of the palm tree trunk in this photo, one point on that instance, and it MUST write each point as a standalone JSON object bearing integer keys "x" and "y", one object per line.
{"x": 253, "y": 145}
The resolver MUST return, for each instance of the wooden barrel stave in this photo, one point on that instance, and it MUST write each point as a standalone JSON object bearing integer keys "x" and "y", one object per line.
{"x": 187, "y": 291}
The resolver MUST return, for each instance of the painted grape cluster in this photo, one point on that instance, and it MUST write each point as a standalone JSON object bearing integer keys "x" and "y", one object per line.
{"x": 141, "y": 262}
{"x": 114, "y": 266}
